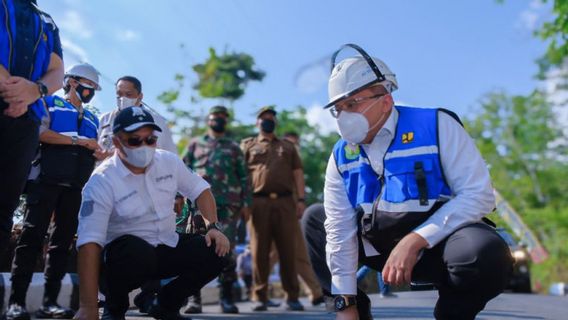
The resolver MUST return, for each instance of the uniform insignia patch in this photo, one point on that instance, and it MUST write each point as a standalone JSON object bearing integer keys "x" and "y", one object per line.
{"x": 408, "y": 137}
{"x": 86, "y": 208}
{"x": 352, "y": 151}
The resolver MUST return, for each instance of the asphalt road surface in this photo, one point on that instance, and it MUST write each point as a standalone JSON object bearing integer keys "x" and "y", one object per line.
{"x": 408, "y": 305}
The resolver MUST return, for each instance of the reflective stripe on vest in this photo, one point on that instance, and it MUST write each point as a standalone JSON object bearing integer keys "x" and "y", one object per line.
{"x": 412, "y": 178}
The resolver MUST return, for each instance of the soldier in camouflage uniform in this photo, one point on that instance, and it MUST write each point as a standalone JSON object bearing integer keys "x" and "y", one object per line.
{"x": 220, "y": 161}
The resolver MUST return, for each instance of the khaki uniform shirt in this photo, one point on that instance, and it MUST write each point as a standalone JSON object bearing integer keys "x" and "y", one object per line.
{"x": 271, "y": 164}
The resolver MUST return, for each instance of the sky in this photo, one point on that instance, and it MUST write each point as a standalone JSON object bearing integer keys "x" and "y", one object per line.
{"x": 444, "y": 53}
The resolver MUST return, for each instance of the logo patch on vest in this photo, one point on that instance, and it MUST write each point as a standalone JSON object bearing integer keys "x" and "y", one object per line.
{"x": 408, "y": 137}
{"x": 58, "y": 102}
{"x": 352, "y": 151}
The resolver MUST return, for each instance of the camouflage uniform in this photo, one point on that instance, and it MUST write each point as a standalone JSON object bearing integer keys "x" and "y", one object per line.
{"x": 220, "y": 161}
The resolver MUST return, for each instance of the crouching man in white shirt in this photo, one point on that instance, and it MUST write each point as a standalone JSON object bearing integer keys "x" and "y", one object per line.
{"x": 126, "y": 231}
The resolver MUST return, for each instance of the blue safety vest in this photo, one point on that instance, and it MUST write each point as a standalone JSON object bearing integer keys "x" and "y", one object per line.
{"x": 68, "y": 165}
{"x": 64, "y": 119}
{"x": 44, "y": 29}
{"x": 412, "y": 181}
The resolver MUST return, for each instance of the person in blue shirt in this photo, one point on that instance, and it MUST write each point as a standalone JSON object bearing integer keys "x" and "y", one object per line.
{"x": 68, "y": 151}
{"x": 31, "y": 67}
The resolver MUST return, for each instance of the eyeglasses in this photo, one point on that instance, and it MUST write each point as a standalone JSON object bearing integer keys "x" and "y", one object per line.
{"x": 135, "y": 142}
{"x": 335, "y": 110}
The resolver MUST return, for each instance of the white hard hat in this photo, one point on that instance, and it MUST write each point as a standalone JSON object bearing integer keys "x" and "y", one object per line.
{"x": 84, "y": 70}
{"x": 354, "y": 74}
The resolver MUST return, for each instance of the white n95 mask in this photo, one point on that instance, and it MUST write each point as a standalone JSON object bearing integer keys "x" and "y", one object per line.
{"x": 139, "y": 157}
{"x": 353, "y": 126}
{"x": 124, "y": 102}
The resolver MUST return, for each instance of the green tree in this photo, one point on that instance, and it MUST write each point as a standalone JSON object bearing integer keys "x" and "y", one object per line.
{"x": 556, "y": 33}
{"x": 226, "y": 76}
{"x": 521, "y": 140}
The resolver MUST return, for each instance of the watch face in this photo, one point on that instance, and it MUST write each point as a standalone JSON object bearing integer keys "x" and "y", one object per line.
{"x": 339, "y": 303}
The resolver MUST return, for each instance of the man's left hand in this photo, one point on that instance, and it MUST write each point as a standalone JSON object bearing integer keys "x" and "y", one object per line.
{"x": 222, "y": 244}
{"x": 18, "y": 90}
{"x": 403, "y": 258}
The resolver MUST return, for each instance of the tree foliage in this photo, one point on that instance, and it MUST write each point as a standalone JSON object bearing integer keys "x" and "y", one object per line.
{"x": 226, "y": 76}
{"x": 556, "y": 33}
{"x": 522, "y": 142}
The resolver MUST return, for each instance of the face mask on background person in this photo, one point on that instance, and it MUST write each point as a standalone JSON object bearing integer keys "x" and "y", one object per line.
{"x": 354, "y": 126}
{"x": 139, "y": 157}
{"x": 124, "y": 102}
{"x": 218, "y": 125}
{"x": 84, "y": 92}
{"x": 267, "y": 125}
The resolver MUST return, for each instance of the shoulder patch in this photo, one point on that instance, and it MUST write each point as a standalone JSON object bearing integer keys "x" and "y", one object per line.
{"x": 86, "y": 208}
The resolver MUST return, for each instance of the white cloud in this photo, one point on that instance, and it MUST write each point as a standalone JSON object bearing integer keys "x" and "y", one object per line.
{"x": 316, "y": 115}
{"x": 530, "y": 18}
{"x": 127, "y": 35}
{"x": 72, "y": 52}
{"x": 73, "y": 23}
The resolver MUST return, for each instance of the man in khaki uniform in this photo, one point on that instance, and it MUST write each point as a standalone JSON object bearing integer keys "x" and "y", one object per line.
{"x": 303, "y": 264}
{"x": 276, "y": 171}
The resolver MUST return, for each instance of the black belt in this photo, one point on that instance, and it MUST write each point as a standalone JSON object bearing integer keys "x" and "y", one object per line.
{"x": 272, "y": 195}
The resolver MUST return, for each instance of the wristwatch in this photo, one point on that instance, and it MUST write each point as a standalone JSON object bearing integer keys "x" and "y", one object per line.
{"x": 343, "y": 302}
{"x": 215, "y": 225}
{"x": 74, "y": 140}
{"x": 42, "y": 89}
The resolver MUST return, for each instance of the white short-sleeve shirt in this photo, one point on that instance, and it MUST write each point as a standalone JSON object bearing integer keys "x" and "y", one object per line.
{"x": 117, "y": 202}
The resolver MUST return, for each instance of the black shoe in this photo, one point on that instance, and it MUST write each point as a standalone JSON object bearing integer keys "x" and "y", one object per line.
{"x": 272, "y": 304}
{"x": 158, "y": 312}
{"x": 294, "y": 305}
{"x": 317, "y": 301}
{"x": 54, "y": 311}
{"x": 259, "y": 306}
{"x": 193, "y": 305}
{"x": 107, "y": 315}
{"x": 16, "y": 312}
{"x": 143, "y": 301}
{"x": 228, "y": 306}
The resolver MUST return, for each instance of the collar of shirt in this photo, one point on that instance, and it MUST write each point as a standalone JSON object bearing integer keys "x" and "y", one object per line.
{"x": 262, "y": 138}
{"x": 388, "y": 128}
{"x": 209, "y": 137}
{"x": 123, "y": 171}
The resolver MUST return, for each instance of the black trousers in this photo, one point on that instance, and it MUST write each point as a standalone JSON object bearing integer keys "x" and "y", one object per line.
{"x": 129, "y": 261}
{"x": 44, "y": 201}
{"x": 469, "y": 268}
{"x": 19, "y": 138}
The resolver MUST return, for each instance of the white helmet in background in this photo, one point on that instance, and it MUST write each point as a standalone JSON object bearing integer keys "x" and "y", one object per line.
{"x": 84, "y": 70}
{"x": 354, "y": 74}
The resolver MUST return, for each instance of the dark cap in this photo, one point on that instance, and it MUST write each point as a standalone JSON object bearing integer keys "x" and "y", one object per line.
{"x": 262, "y": 110}
{"x": 133, "y": 118}
{"x": 219, "y": 109}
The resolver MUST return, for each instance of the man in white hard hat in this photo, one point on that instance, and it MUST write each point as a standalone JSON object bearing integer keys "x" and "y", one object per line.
{"x": 128, "y": 94}
{"x": 68, "y": 151}
{"x": 406, "y": 192}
